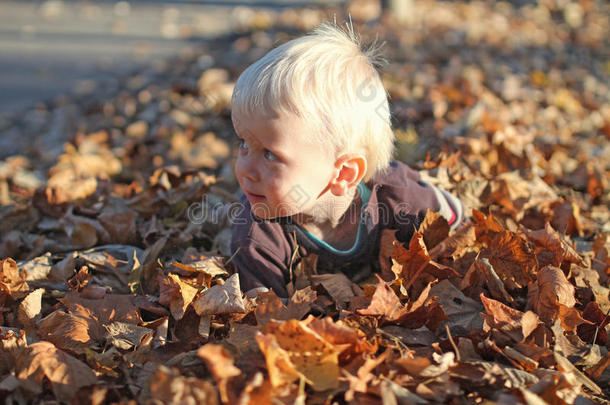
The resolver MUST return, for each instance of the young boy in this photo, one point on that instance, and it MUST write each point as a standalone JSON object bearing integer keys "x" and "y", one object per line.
{"x": 314, "y": 163}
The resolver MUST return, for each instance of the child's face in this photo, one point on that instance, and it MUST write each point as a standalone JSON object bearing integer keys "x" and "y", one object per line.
{"x": 278, "y": 169}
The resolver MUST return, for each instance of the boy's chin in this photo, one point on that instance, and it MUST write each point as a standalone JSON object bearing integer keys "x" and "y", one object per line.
{"x": 262, "y": 211}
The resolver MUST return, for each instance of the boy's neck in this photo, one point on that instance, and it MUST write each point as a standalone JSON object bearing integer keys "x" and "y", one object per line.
{"x": 334, "y": 219}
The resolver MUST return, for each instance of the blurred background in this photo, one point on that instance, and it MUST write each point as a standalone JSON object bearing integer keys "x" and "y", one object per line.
{"x": 56, "y": 46}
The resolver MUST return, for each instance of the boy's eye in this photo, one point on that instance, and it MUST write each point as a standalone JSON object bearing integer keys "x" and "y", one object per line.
{"x": 270, "y": 155}
{"x": 242, "y": 144}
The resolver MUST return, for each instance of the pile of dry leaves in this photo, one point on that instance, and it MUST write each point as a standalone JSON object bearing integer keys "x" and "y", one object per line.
{"x": 115, "y": 277}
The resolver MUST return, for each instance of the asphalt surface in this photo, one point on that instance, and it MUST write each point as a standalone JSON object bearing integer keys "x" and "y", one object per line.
{"x": 52, "y": 47}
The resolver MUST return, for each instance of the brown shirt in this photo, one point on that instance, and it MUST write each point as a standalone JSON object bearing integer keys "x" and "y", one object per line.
{"x": 264, "y": 250}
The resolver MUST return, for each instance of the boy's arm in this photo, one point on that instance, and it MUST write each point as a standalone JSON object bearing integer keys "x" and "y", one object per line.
{"x": 449, "y": 206}
{"x": 259, "y": 268}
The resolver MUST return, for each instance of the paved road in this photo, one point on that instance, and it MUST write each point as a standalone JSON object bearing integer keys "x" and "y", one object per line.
{"x": 54, "y": 46}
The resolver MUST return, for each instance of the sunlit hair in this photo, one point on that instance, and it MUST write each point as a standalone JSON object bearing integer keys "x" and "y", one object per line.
{"x": 329, "y": 79}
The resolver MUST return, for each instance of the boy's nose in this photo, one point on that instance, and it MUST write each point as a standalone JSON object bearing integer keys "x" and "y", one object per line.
{"x": 246, "y": 168}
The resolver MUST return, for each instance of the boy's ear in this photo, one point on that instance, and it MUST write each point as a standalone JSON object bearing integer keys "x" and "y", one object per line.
{"x": 349, "y": 171}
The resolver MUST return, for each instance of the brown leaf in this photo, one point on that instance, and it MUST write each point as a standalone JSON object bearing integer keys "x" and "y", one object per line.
{"x": 385, "y": 303}
{"x": 68, "y": 331}
{"x": 514, "y": 323}
{"x": 11, "y": 343}
{"x": 434, "y": 229}
{"x": 84, "y": 319}
{"x": 481, "y": 273}
{"x": 410, "y": 263}
{"x": 220, "y": 363}
{"x": 352, "y": 341}
{"x": 570, "y": 318}
{"x": 512, "y": 259}
{"x": 337, "y": 285}
{"x": 593, "y": 326}
{"x": 13, "y": 283}
{"x": 463, "y": 313}
{"x": 221, "y": 299}
{"x": 551, "y": 248}
{"x": 176, "y": 293}
{"x": 271, "y": 307}
{"x": 65, "y": 373}
{"x": 551, "y": 289}
{"x": 121, "y": 226}
{"x": 455, "y": 245}
{"x": 127, "y": 336}
{"x": 168, "y": 386}
{"x": 589, "y": 279}
{"x": 486, "y": 227}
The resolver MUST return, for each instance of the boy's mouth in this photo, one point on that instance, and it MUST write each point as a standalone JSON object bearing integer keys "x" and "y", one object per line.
{"x": 253, "y": 198}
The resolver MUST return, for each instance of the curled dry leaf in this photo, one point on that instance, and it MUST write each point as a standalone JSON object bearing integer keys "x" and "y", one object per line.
{"x": 13, "y": 284}
{"x": 221, "y": 299}
{"x": 550, "y": 290}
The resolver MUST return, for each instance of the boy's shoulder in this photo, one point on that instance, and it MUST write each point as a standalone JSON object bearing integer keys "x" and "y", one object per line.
{"x": 249, "y": 230}
{"x": 396, "y": 174}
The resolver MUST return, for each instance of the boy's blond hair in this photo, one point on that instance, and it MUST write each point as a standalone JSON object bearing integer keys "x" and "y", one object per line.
{"x": 326, "y": 78}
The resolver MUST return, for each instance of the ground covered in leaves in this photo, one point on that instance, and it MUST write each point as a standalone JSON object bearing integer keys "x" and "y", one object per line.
{"x": 115, "y": 287}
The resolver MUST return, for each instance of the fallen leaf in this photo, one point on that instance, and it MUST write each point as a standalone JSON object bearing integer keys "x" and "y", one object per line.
{"x": 127, "y": 336}
{"x": 65, "y": 373}
{"x": 463, "y": 313}
{"x": 166, "y": 385}
{"x": 221, "y": 299}
{"x": 13, "y": 283}
{"x": 176, "y": 293}
{"x": 30, "y": 311}
{"x": 279, "y": 365}
{"x": 220, "y": 363}
{"x": 309, "y": 354}
{"x": 338, "y": 286}
{"x": 514, "y": 323}
{"x": 550, "y": 290}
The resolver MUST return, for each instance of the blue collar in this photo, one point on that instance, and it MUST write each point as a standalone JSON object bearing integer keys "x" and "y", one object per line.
{"x": 365, "y": 194}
